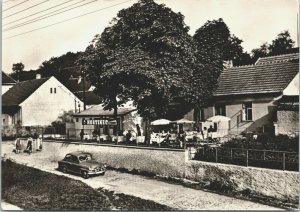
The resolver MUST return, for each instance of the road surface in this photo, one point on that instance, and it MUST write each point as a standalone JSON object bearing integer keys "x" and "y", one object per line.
{"x": 172, "y": 195}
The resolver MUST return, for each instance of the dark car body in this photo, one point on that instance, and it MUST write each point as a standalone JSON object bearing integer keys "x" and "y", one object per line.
{"x": 81, "y": 163}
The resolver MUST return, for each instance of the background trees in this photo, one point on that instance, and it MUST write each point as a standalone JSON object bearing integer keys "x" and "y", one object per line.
{"x": 17, "y": 68}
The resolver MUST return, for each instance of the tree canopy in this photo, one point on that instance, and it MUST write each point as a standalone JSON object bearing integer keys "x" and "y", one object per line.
{"x": 214, "y": 39}
{"x": 17, "y": 68}
{"x": 148, "y": 56}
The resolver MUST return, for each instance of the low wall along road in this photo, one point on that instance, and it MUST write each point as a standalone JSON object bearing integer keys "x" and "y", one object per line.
{"x": 279, "y": 184}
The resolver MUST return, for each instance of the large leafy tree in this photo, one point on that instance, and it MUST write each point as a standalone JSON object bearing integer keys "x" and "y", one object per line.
{"x": 147, "y": 55}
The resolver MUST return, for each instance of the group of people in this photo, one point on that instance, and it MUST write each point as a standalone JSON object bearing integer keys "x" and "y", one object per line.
{"x": 28, "y": 148}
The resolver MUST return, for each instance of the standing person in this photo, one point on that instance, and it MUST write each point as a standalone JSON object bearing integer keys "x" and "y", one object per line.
{"x": 128, "y": 136}
{"x": 81, "y": 134}
{"x": 18, "y": 145}
{"x": 138, "y": 130}
{"x": 29, "y": 145}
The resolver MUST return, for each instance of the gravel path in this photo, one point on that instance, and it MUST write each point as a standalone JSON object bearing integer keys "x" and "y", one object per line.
{"x": 175, "y": 196}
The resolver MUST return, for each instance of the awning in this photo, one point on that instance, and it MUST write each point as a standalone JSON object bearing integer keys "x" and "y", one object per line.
{"x": 161, "y": 122}
{"x": 183, "y": 121}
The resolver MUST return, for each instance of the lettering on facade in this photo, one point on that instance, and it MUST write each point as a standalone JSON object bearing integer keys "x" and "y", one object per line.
{"x": 94, "y": 122}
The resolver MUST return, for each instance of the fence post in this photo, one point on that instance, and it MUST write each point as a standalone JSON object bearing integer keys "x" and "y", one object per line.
{"x": 283, "y": 161}
{"x": 247, "y": 157}
{"x": 216, "y": 155}
{"x": 264, "y": 155}
{"x": 231, "y": 154}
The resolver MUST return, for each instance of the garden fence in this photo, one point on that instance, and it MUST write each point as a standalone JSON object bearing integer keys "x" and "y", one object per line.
{"x": 247, "y": 157}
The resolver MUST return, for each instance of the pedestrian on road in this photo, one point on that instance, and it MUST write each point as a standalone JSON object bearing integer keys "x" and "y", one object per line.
{"x": 29, "y": 145}
{"x": 81, "y": 134}
{"x": 18, "y": 145}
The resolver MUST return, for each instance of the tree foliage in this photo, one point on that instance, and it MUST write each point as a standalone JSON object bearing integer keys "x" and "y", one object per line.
{"x": 281, "y": 43}
{"x": 17, "y": 68}
{"x": 61, "y": 67}
{"x": 214, "y": 39}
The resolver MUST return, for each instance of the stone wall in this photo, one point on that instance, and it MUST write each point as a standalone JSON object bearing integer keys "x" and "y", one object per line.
{"x": 288, "y": 122}
{"x": 159, "y": 161}
{"x": 279, "y": 184}
{"x": 268, "y": 182}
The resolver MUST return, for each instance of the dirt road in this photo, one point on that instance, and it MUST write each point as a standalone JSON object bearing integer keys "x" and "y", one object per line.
{"x": 175, "y": 196}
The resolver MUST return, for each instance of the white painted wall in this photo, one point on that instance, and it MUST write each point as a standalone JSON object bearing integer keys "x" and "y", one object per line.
{"x": 293, "y": 87}
{"x": 43, "y": 107}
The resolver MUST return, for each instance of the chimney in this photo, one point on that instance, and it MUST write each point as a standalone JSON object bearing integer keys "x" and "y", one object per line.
{"x": 79, "y": 79}
{"x": 38, "y": 76}
{"x": 228, "y": 64}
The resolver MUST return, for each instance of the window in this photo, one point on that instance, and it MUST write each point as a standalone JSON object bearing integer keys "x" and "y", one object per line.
{"x": 77, "y": 120}
{"x": 199, "y": 114}
{"x": 247, "y": 111}
{"x": 220, "y": 109}
{"x": 50, "y": 90}
{"x": 54, "y": 90}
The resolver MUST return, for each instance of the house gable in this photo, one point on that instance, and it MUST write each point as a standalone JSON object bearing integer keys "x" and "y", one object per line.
{"x": 48, "y": 102}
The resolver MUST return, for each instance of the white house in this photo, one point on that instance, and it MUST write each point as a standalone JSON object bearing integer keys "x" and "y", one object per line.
{"x": 37, "y": 102}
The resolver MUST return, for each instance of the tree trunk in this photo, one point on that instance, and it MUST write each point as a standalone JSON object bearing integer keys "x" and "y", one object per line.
{"x": 116, "y": 117}
{"x": 147, "y": 131}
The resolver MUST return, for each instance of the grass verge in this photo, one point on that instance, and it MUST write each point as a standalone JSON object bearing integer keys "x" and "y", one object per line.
{"x": 33, "y": 189}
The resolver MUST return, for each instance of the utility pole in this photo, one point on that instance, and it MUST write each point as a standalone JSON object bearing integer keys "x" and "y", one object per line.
{"x": 83, "y": 87}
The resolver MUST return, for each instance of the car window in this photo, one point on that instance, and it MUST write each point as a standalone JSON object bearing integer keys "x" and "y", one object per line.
{"x": 85, "y": 157}
{"x": 68, "y": 158}
{"x": 74, "y": 159}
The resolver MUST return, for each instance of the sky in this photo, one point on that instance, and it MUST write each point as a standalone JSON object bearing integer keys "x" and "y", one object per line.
{"x": 254, "y": 22}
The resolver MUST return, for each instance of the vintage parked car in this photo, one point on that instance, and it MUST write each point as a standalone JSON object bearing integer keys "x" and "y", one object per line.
{"x": 81, "y": 163}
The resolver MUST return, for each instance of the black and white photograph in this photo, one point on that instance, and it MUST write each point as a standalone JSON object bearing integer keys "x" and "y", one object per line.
{"x": 150, "y": 105}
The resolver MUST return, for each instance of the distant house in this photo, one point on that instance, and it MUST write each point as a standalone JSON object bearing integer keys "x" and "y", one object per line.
{"x": 249, "y": 95}
{"x": 37, "y": 102}
{"x": 7, "y": 82}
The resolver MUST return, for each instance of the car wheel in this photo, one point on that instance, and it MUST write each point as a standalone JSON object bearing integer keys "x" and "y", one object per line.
{"x": 85, "y": 174}
{"x": 64, "y": 169}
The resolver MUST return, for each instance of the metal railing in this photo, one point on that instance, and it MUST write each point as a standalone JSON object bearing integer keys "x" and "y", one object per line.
{"x": 247, "y": 157}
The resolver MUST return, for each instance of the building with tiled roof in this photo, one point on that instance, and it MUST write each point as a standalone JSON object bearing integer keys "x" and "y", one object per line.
{"x": 257, "y": 79}
{"x": 277, "y": 58}
{"x": 7, "y": 82}
{"x": 248, "y": 95}
{"x": 37, "y": 102}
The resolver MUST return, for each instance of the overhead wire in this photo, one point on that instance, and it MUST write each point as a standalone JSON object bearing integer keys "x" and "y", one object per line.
{"x": 66, "y": 20}
{"x": 42, "y": 17}
{"x": 15, "y": 5}
{"x": 36, "y": 13}
{"x": 25, "y": 9}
